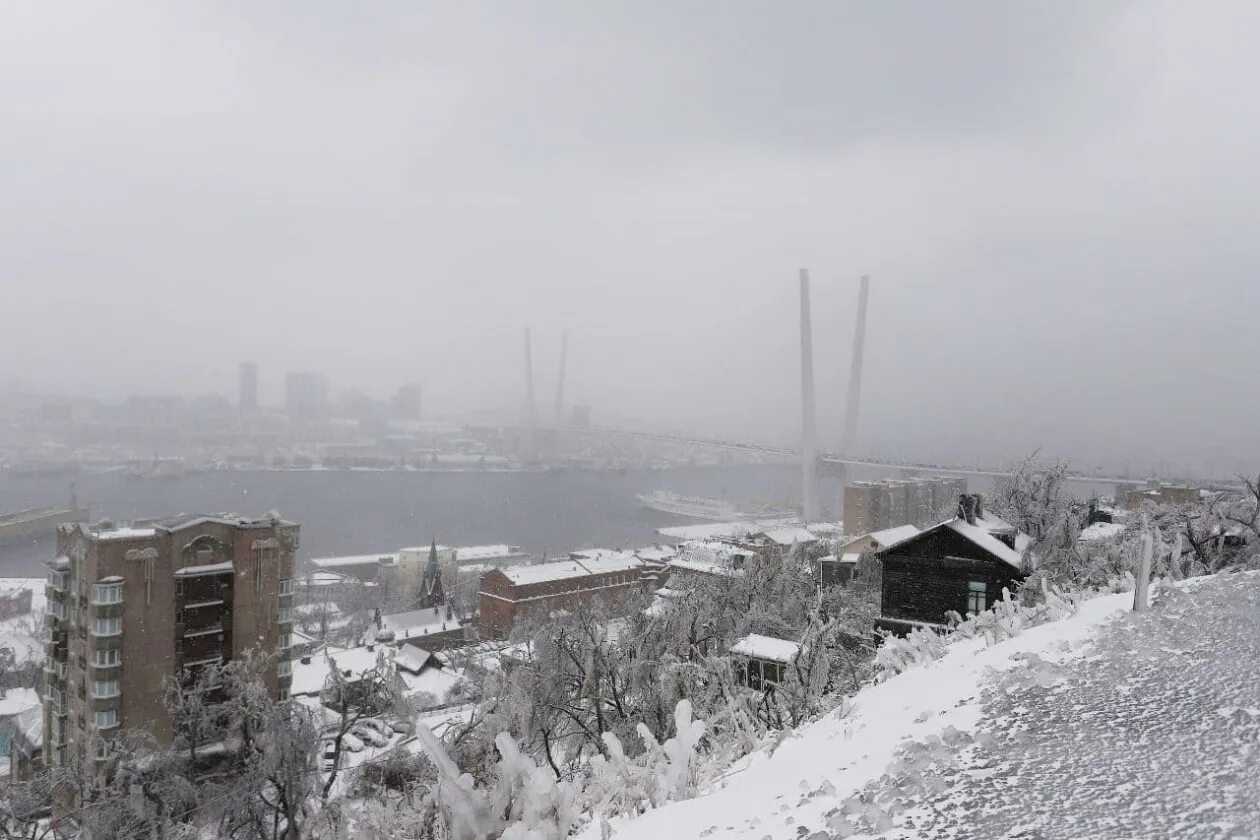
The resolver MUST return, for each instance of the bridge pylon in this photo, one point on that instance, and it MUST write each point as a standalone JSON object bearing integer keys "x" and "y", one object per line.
{"x": 809, "y": 432}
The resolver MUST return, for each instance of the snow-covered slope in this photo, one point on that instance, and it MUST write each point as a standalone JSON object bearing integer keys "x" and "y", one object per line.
{"x": 1059, "y": 732}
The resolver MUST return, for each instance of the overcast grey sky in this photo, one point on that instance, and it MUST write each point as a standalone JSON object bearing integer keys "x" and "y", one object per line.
{"x": 1056, "y": 203}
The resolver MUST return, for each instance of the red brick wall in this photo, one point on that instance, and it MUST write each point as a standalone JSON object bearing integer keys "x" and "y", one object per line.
{"x": 498, "y": 614}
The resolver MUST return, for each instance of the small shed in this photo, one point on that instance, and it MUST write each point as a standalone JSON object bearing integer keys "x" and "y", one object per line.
{"x": 761, "y": 660}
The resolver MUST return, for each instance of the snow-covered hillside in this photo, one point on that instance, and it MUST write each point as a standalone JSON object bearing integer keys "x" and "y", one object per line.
{"x": 1106, "y": 724}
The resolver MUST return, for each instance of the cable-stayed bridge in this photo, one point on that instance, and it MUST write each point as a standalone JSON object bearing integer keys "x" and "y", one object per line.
{"x": 829, "y": 463}
{"x": 814, "y": 461}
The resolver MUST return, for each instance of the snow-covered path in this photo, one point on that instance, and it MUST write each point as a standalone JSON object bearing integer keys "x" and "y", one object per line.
{"x": 1046, "y": 735}
{"x": 1158, "y": 735}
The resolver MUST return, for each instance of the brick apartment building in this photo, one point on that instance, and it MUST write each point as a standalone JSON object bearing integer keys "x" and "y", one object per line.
{"x": 871, "y": 506}
{"x": 508, "y": 593}
{"x": 130, "y": 607}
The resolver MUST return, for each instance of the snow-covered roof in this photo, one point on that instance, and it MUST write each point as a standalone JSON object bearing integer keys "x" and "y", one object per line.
{"x": 985, "y": 540}
{"x": 766, "y": 647}
{"x": 17, "y": 700}
{"x": 39, "y": 599}
{"x": 406, "y": 625}
{"x": 850, "y": 558}
{"x": 656, "y": 553}
{"x": 476, "y": 553}
{"x": 30, "y": 722}
{"x": 322, "y": 579}
{"x": 598, "y": 554}
{"x": 1101, "y": 531}
{"x": 789, "y": 535}
{"x": 703, "y": 567}
{"x": 726, "y": 530}
{"x": 709, "y": 557}
{"x": 26, "y": 648}
{"x": 354, "y": 560}
{"x": 544, "y": 572}
{"x": 610, "y": 561}
{"x": 411, "y": 658}
{"x": 581, "y": 564}
{"x": 310, "y": 678}
{"x": 438, "y": 683}
{"x": 892, "y": 536}
{"x": 126, "y": 533}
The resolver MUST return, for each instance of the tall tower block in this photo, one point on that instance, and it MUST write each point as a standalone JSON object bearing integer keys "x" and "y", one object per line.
{"x": 809, "y": 434}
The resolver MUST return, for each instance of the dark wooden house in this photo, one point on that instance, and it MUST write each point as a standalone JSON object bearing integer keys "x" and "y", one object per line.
{"x": 957, "y": 566}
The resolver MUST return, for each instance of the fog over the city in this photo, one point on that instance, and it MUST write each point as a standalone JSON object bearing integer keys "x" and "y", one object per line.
{"x": 1056, "y": 204}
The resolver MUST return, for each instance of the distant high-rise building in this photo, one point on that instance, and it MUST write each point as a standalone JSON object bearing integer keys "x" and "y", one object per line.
{"x": 247, "y": 398}
{"x": 871, "y": 506}
{"x": 406, "y": 403}
{"x": 864, "y": 508}
{"x": 306, "y": 396}
{"x": 131, "y": 607}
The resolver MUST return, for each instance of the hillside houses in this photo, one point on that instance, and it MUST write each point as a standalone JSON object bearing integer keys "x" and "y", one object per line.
{"x": 841, "y": 566}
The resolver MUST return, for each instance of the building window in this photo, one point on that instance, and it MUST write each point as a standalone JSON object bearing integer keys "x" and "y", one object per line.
{"x": 285, "y": 615}
{"x": 284, "y": 694}
{"x": 106, "y": 626}
{"x": 106, "y": 658}
{"x": 179, "y": 587}
{"x": 107, "y": 593}
{"x": 102, "y": 749}
{"x": 977, "y": 596}
{"x": 179, "y": 647}
{"x": 57, "y": 580}
{"x": 286, "y": 586}
{"x": 286, "y": 641}
{"x": 104, "y": 689}
{"x": 107, "y": 719}
{"x": 284, "y": 668}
